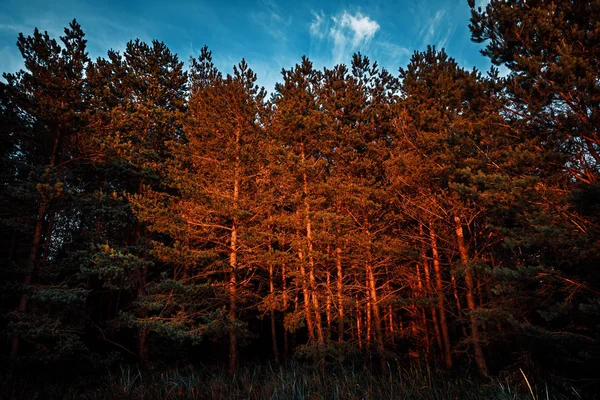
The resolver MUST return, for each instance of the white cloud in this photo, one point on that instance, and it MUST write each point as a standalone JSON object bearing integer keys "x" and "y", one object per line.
{"x": 362, "y": 28}
{"x": 347, "y": 32}
{"x": 317, "y": 27}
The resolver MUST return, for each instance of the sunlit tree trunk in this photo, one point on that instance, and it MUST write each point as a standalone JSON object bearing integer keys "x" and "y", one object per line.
{"x": 310, "y": 256}
{"x": 306, "y": 295}
{"x": 358, "y": 317}
{"x": 340, "y": 287}
{"x": 475, "y": 337}
{"x": 376, "y": 313}
{"x": 429, "y": 289}
{"x": 233, "y": 262}
{"x": 440, "y": 297}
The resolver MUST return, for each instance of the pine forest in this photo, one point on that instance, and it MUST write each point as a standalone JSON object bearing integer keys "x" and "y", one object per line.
{"x": 171, "y": 230}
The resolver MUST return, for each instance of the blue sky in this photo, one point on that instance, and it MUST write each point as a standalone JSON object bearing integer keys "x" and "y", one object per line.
{"x": 269, "y": 34}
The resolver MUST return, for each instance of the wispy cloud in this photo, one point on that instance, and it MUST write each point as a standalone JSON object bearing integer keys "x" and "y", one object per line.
{"x": 14, "y": 28}
{"x": 10, "y": 59}
{"x": 347, "y": 32}
{"x": 318, "y": 26}
{"x": 271, "y": 18}
{"x": 392, "y": 53}
{"x": 443, "y": 40}
{"x": 428, "y": 32}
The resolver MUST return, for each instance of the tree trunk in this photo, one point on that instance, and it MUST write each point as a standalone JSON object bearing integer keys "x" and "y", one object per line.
{"x": 338, "y": 264}
{"x": 458, "y": 306}
{"x": 273, "y": 326}
{"x": 390, "y": 321}
{"x": 142, "y": 312}
{"x": 33, "y": 269}
{"x": 369, "y": 310}
{"x": 34, "y": 251}
{"x": 306, "y": 294}
{"x": 358, "y": 323}
{"x": 440, "y": 297}
{"x": 420, "y": 312}
{"x": 462, "y": 249}
{"x": 429, "y": 289}
{"x": 285, "y": 306}
{"x": 376, "y": 315}
{"x": 310, "y": 255}
{"x": 233, "y": 261}
{"x": 328, "y": 302}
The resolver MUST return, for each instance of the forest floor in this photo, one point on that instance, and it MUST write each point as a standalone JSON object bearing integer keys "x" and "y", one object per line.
{"x": 292, "y": 381}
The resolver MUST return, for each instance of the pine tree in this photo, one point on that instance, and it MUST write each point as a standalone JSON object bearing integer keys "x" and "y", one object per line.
{"x": 46, "y": 103}
{"x": 297, "y": 128}
{"x": 551, "y": 50}
{"x": 209, "y": 211}
{"x": 135, "y": 107}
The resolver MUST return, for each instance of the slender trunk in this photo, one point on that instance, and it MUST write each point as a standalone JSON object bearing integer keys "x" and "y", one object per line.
{"x": 428, "y": 287}
{"x": 420, "y": 312}
{"x": 376, "y": 312}
{"x": 358, "y": 323}
{"x": 315, "y": 298}
{"x": 33, "y": 267}
{"x": 479, "y": 292}
{"x": 233, "y": 260}
{"x": 142, "y": 311}
{"x": 305, "y": 293}
{"x": 285, "y": 306}
{"x": 484, "y": 331}
{"x": 458, "y": 306}
{"x": 328, "y": 302}
{"x": 310, "y": 255}
{"x": 273, "y": 327}
{"x": 338, "y": 264}
{"x": 389, "y": 316}
{"x": 390, "y": 321}
{"x": 440, "y": 297}
{"x": 475, "y": 337}
{"x": 296, "y": 307}
{"x": 233, "y": 361}
{"x": 34, "y": 250}
{"x": 369, "y": 310}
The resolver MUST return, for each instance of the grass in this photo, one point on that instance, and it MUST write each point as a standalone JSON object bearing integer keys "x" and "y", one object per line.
{"x": 291, "y": 381}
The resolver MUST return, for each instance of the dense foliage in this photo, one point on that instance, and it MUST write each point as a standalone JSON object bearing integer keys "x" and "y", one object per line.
{"x": 150, "y": 213}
